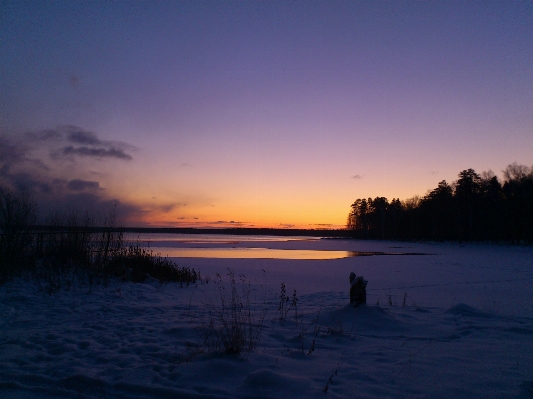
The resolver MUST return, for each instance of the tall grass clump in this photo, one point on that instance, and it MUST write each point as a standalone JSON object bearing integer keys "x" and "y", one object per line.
{"x": 71, "y": 249}
{"x": 17, "y": 213}
{"x": 74, "y": 249}
{"x": 286, "y": 303}
{"x": 76, "y": 252}
{"x": 135, "y": 263}
{"x": 233, "y": 328}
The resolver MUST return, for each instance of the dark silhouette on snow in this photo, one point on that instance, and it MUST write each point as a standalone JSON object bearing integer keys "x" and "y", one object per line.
{"x": 357, "y": 290}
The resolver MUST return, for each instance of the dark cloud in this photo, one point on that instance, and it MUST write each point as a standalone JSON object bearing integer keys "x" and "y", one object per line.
{"x": 87, "y": 144}
{"x": 32, "y": 163}
{"x": 89, "y": 203}
{"x": 84, "y": 137}
{"x": 166, "y": 208}
{"x": 93, "y": 202}
{"x": 78, "y": 135}
{"x": 14, "y": 153}
{"x": 95, "y": 152}
{"x": 32, "y": 184}
{"x": 78, "y": 142}
{"x": 356, "y": 177}
{"x": 286, "y": 225}
{"x": 83, "y": 185}
{"x": 11, "y": 153}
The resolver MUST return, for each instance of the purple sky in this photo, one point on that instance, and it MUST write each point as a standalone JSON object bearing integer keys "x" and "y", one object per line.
{"x": 261, "y": 113}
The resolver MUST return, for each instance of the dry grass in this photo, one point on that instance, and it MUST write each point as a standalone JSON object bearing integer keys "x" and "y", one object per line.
{"x": 232, "y": 327}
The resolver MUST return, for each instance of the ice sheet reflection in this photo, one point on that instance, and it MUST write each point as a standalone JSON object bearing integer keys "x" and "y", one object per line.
{"x": 265, "y": 253}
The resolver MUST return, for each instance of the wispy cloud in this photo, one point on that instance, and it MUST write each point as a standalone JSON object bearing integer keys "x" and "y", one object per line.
{"x": 95, "y": 152}
{"x": 356, "y": 177}
{"x": 69, "y": 141}
{"x": 83, "y": 185}
{"x": 84, "y": 143}
{"x": 167, "y": 208}
{"x": 230, "y": 223}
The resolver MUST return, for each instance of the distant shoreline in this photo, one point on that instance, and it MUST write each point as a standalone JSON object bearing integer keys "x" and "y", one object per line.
{"x": 340, "y": 233}
{"x": 240, "y": 231}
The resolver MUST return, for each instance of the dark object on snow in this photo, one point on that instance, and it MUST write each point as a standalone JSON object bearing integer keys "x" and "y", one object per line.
{"x": 357, "y": 290}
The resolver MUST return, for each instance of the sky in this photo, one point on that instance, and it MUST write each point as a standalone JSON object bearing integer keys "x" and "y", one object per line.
{"x": 257, "y": 113}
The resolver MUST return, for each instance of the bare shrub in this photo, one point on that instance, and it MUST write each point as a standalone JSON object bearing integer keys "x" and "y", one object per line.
{"x": 286, "y": 303}
{"x": 232, "y": 327}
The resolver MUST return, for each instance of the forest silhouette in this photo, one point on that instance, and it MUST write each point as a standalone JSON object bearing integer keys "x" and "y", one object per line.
{"x": 476, "y": 207}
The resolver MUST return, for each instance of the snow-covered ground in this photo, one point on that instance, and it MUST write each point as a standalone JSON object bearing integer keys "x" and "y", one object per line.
{"x": 456, "y": 322}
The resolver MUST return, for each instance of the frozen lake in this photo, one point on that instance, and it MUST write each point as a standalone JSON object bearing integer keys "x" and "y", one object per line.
{"x": 490, "y": 277}
{"x": 244, "y": 247}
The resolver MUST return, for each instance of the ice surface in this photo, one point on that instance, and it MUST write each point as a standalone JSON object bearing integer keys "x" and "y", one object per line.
{"x": 457, "y": 322}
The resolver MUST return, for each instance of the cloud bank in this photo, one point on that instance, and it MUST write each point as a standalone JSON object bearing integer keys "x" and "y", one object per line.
{"x": 52, "y": 167}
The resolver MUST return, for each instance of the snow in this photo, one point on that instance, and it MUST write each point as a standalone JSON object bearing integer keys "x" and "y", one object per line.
{"x": 465, "y": 330}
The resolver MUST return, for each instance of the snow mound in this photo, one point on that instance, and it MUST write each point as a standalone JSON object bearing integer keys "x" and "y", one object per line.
{"x": 363, "y": 318}
{"x": 463, "y": 309}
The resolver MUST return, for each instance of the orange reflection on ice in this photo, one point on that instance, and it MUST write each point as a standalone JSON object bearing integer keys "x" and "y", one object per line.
{"x": 251, "y": 253}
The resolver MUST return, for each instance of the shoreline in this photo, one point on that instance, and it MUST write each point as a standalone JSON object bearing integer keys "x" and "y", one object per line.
{"x": 341, "y": 233}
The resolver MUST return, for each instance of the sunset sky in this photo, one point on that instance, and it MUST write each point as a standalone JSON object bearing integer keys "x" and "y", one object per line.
{"x": 258, "y": 114}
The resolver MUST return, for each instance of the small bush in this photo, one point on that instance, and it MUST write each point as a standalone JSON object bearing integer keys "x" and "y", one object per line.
{"x": 136, "y": 263}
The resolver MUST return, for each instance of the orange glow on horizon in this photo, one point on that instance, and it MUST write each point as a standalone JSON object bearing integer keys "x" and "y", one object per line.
{"x": 158, "y": 219}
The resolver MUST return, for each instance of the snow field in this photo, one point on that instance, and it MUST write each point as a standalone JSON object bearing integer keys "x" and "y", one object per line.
{"x": 466, "y": 331}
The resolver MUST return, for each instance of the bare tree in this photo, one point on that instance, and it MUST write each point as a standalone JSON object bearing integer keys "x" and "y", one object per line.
{"x": 517, "y": 172}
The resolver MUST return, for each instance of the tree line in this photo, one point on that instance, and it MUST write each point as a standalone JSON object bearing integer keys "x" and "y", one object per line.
{"x": 475, "y": 207}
